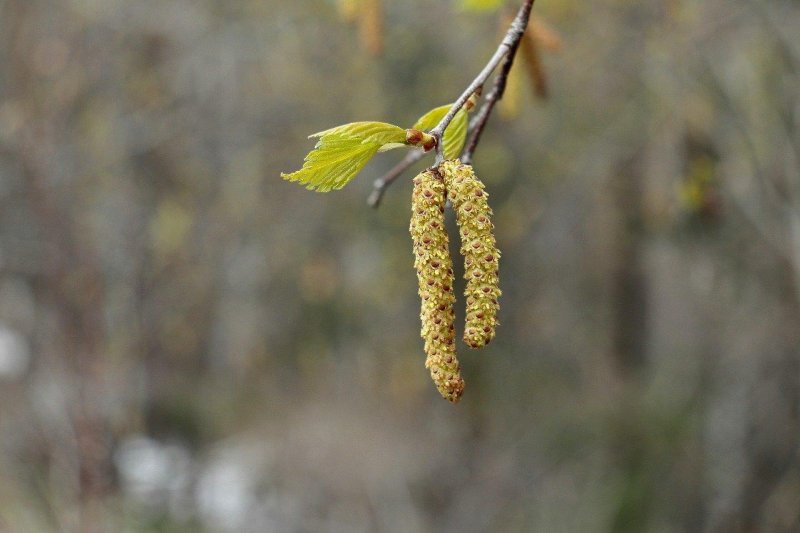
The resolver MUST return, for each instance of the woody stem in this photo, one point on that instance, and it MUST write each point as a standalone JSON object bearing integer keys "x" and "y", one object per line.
{"x": 507, "y": 49}
{"x": 505, "y": 53}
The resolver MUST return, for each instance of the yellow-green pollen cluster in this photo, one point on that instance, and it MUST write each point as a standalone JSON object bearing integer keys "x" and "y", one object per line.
{"x": 435, "y": 274}
{"x": 479, "y": 248}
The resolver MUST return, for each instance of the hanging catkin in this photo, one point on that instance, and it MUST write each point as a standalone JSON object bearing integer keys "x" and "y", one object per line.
{"x": 529, "y": 46}
{"x": 435, "y": 274}
{"x": 478, "y": 246}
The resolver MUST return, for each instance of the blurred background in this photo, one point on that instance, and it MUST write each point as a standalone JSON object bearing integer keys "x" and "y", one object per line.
{"x": 190, "y": 343}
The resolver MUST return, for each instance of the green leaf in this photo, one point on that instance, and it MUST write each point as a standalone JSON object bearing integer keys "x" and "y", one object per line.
{"x": 371, "y": 132}
{"x": 342, "y": 152}
{"x": 429, "y": 120}
{"x": 456, "y": 133}
{"x": 392, "y": 146}
{"x": 334, "y": 161}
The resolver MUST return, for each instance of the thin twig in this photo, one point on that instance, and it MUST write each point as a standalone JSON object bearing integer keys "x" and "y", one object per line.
{"x": 506, "y": 48}
{"x": 383, "y": 183}
{"x": 482, "y": 117}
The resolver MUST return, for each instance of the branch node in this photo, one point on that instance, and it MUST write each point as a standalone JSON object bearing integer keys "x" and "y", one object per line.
{"x": 505, "y": 53}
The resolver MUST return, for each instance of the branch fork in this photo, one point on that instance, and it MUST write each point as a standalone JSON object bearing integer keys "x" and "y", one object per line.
{"x": 505, "y": 53}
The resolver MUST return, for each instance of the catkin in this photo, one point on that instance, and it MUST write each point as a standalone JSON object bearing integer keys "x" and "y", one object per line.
{"x": 435, "y": 274}
{"x": 479, "y": 248}
{"x": 533, "y": 64}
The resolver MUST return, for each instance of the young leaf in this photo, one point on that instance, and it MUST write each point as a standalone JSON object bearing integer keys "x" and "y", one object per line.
{"x": 391, "y": 146}
{"x": 371, "y": 132}
{"x": 334, "y": 161}
{"x": 456, "y": 133}
{"x": 342, "y": 152}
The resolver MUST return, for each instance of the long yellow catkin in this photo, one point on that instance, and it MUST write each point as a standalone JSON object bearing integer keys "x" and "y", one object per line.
{"x": 435, "y": 274}
{"x": 479, "y": 248}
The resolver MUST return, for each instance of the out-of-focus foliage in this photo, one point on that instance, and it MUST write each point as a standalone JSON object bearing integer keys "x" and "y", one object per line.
{"x": 480, "y": 5}
{"x": 190, "y": 343}
{"x": 368, "y": 15}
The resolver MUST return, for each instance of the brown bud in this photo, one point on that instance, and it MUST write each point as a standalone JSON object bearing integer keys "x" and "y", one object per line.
{"x": 414, "y": 137}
